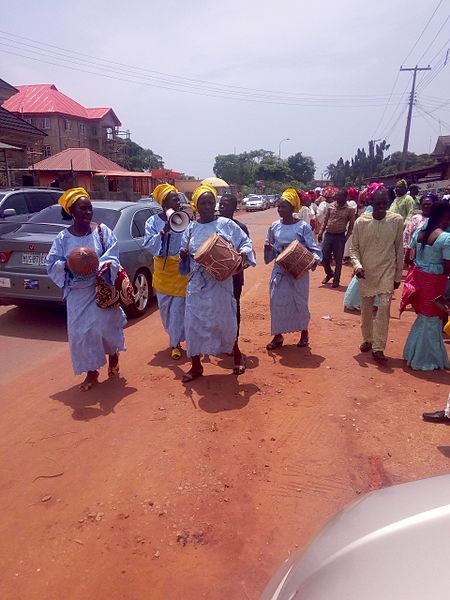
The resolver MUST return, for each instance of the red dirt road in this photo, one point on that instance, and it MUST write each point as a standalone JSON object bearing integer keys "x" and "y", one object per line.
{"x": 145, "y": 488}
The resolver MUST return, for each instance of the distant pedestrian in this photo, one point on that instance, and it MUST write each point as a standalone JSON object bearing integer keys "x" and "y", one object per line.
{"x": 403, "y": 204}
{"x": 289, "y": 312}
{"x": 336, "y": 230}
{"x": 93, "y": 332}
{"x": 377, "y": 257}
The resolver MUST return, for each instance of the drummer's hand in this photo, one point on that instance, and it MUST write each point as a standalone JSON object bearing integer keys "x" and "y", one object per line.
{"x": 360, "y": 273}
{"x": 245, "y": 264}
{"x": 183, "y": 253}
{"x": 104, "y": 268}
{"x": 268, "y": 245}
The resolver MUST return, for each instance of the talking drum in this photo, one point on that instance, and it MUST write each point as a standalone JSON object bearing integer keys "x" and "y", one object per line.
{"x": 83, "y": 261}
{"x": 218, "y": 257}
{"x": 296, "y": 259}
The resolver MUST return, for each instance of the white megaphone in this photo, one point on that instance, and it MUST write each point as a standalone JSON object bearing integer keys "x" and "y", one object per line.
{"x": 178, "y": 220}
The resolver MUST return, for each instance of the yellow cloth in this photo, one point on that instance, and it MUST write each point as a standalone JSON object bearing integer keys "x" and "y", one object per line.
{"x": 69, "y": 197}
{"x": 447, "y": 327}
{"x": 167, "y": 278}
{"x": 162, "y": 190}
{"x": 205, "y": 187}
{"x": 291, "y": 195}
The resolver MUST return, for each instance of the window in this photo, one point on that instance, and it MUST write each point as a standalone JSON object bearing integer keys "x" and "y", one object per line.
{"x": 39, "y": 200}
{"x": 67, "y": 125}
{"x": 29, "y": 120}
{"x": 139, "y": 219}
{"x": 16, "y": 201}
{"x": 94, "y": 131}
{"x": 82, "y": 128}
{"x": 45, "y": 123}
{"x": 47, "y": 151}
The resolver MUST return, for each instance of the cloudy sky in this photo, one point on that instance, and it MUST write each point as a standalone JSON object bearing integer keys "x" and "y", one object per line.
{"x": 195, "y": 78}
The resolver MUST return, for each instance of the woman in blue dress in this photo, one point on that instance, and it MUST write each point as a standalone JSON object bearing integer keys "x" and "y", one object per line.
{"x": 169, "y": 284}
{"x": 288, "y": 295}
{"x": 427, "y": 279}
{"x": 93, "y": 332}
{"x": 210, "y": 319}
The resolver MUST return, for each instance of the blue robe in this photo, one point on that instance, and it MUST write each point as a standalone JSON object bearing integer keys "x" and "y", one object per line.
{"x": 93, "y": 332}
{"x": 288, "y": 295}
{"x": 211, "y": 321}
{"x": 171, "y": 308}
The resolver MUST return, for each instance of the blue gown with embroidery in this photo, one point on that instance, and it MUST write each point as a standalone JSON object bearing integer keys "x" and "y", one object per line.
{"x": 210, "y": 320}
{"x": 171, "y": 308}
{"x": 93, "y": 332}
{"x": 288, "y": 295}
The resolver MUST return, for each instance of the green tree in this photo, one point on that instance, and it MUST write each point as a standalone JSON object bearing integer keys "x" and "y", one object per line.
{"x": 135, "y": 158}
{"x": 302, "y": 167}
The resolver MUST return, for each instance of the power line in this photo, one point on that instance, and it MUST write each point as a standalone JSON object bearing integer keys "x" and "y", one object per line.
{"x": 423, "y": 31}
{"x": 434, "y": 39}
{"x": 178, "y": 80}
{"x": 137, "y": 80}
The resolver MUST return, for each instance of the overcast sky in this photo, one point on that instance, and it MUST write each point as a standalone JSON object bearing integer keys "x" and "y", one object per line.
{"x": 345, "y": 53}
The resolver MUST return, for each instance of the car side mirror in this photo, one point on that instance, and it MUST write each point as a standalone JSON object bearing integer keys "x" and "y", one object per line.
{"x": 8, "y": 212}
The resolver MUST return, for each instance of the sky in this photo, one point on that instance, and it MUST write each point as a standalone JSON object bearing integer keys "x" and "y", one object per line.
{"x": 193, "y": 79}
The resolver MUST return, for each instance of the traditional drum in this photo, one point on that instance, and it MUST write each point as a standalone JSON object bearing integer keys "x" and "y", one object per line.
{"x": 83, "y": 261}
{"x": 218, "y": 257}
{"x": 296, "y": 259}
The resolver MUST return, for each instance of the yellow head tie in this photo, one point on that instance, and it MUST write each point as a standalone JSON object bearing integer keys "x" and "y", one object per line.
{"x": 203, "y": 189}
{"x": 291, "y": 196}
{"x": 162, "y": 190}
{"x": 69, "y": 197}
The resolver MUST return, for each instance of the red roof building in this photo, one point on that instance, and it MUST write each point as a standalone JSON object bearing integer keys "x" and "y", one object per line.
{"x": 67, "y": 123}
{"x": 101, "y": 177}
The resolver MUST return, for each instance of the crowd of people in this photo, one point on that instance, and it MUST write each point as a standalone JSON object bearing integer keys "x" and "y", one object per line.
{"x": 379, "y": 232}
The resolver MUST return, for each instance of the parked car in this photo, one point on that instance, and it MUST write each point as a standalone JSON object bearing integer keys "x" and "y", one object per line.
{"x": 24, "y": 201}
{"x": 255, "y": 203}
{"x": 273, "y": 200}
{"x": 388, "y": 545}
{"x": 23, "y": 276}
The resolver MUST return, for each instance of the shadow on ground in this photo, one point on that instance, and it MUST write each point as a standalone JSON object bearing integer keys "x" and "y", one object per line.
{"x": 100, "y": 401}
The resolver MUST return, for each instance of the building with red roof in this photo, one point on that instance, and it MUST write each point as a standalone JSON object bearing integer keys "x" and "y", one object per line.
{"x": 67, "y": 123}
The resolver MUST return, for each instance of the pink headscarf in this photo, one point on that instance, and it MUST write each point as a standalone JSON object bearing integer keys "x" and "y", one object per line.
{"x": 374, "y": 187}
{"x": 353, "y": 193}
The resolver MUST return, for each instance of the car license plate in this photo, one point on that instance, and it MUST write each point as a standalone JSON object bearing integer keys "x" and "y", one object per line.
{"x": 31, "y": 284}
{"x": 34, "y": 259}
{"x": 5, "y": 282}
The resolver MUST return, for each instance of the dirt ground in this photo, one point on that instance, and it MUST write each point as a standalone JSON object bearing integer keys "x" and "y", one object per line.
{"x": 146, "y": 488}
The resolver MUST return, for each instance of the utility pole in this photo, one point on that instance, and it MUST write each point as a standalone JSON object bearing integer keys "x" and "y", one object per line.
{"x": 410, "y": 109}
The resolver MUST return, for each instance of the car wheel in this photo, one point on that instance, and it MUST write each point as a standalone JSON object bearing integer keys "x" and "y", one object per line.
{"x": 143, "y": 292}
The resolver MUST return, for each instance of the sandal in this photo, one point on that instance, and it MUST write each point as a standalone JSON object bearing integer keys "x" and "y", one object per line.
{"x": 191, "y": 375}
{"x": 275, "y": 344}
{"x": 303, "y": 343}
{"x": 87, "y": 385}
{"x": 175, "y": 353}
{"x": 366, "y": 347}
{"x": 239, "y": 369}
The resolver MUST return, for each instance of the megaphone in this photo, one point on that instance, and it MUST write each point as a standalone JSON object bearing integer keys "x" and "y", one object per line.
{"x": 178, "y": 220}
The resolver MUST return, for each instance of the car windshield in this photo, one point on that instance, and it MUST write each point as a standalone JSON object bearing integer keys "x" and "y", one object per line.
{"x": 53, "y": 214}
